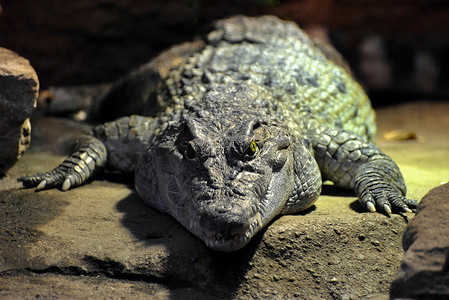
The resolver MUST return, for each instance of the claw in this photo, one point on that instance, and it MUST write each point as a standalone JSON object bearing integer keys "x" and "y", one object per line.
{"x": 41, "y": 185}
{"x": 411, "y": 203}
{"x": 387, "y": 209}
{"x": 370, "y": 206}
{"x": 407, "y": 210}
{"x": 66, "y": 185}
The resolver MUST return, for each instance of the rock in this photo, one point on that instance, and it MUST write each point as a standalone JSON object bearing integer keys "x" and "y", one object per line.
{"x": 19, "y": 87}
{"x": 73, "y": 245}
{"x": 101, "y": 241}
{"x": 424, "y": 271}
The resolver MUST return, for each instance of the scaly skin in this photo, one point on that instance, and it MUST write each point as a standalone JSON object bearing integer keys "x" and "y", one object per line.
{"x": 243, "y": 124}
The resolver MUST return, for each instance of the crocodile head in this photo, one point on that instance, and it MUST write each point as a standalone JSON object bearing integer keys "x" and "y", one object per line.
{"x": 223, "y": 171}
{"x": 224, "y": 182}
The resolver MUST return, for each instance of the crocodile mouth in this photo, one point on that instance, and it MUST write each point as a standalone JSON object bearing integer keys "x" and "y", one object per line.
{"x": 230, "y": 240}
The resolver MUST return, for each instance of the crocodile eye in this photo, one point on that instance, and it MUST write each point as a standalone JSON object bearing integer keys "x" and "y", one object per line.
{"x": 252, "y": 149}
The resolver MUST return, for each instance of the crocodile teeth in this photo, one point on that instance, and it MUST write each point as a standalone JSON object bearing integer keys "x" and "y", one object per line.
{"x": 212, "y": 234}
{"x": 237, "y": 238}
{"x": 247, "y": 236}
{"x": 193, "y": 224}
{"x": 259, "y": 219}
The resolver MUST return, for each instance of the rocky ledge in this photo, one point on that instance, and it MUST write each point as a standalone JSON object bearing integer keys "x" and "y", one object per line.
{"x": 100, "y": 241}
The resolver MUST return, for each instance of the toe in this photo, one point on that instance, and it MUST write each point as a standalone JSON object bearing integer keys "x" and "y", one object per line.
{"x": 412, "y": 203}
{"x": 383, "y": 205}
{"x": 370, "y": 206}
{"x": 66, "y": 185}
{"x": 387, "y": 208}
{"x": 368, "y": 202}
{"x": 41, "y": 185}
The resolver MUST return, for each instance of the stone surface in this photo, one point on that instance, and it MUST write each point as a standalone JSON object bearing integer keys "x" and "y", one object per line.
{"x": 102, "y": 233}
{"x": 424, "y": 271}
{"x": 100, "y": 240}
{"x": 18, "y": 94}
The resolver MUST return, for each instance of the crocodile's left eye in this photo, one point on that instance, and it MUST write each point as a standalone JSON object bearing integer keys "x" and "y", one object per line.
{"x": 252, "y": 149}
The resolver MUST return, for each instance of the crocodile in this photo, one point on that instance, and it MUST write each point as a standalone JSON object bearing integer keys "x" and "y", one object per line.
{"x": 239, "y": 126}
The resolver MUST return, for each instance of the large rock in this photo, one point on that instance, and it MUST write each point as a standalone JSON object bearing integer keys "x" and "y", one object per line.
{"x": 18, "y": 94}
{"x": 424, "y": 272}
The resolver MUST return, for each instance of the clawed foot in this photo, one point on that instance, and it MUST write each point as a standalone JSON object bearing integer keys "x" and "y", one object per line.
{"x": 386, "y": 201}
{"x": 49, "y": 180}
{"x": 75, "y": 170}
{"x": 381, "y": 193}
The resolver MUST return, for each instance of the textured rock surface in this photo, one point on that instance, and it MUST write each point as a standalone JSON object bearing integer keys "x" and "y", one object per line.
{"x": 424, "y": 272}
{"x": 18, "y": 94}
{"x": 103, "y": 234}
{"x": 100, "y": 241}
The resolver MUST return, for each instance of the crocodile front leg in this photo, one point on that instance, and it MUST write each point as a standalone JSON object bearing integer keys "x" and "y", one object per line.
{"x": 351, "y": 162}
{"x": 89, "y": 158}
{"x": 116, "y": 146}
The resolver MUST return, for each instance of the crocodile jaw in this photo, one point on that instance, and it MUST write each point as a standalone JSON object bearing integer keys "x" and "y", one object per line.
{"x": 223, "y": 223}
{"x": 236, "y": 240}
{"x": 231, "y": 229}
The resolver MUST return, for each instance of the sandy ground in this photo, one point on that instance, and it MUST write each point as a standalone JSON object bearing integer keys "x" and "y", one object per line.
{"x": 101, "y": 241}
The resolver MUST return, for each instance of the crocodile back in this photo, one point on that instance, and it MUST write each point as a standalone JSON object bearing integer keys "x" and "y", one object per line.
{"x": 306, "y": 86}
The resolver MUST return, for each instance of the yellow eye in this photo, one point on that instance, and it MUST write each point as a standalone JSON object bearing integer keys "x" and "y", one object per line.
{"x": 252, "y": 148}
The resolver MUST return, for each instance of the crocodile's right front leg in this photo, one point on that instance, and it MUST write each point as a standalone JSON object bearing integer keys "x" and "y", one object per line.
{"x": 114, "y": 145}
{"x": 89, "y": 158}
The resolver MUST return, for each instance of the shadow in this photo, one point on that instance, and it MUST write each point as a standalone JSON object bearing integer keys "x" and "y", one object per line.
{"x": 332, "y": 190}
{"x": 120, "y": 178}
{"x": 357, "y": 207}
{"x": 187, "y": 263}
{"x": 306, "y": 211}
{"x": 405, "y": 217}
{"x": 22, "y": 211}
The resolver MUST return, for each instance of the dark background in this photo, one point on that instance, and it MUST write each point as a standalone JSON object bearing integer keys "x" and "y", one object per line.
{"x": 399, "y": 49}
